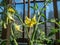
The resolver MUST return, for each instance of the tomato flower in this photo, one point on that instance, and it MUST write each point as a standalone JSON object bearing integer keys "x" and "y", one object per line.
{"x": 30, "y": 22}
{"x": 17, "y": 27}
{"x": 11, "y": 10}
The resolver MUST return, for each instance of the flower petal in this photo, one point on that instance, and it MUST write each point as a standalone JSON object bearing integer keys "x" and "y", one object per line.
{"x": 34, "y": 20}
{"x": 17, "y": 27}
{"x": 11, "y": 10}
{"x": 27, "y": 20}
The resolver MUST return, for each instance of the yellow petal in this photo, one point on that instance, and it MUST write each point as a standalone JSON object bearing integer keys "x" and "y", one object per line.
{"x": 27, "y": 20}
{"x": 11, "y": 10}
{"x": 31, "y": 25}
{"x": 30, "y": 22}
{"x": 34, "y": 20}
{"x": 17, "y": 27}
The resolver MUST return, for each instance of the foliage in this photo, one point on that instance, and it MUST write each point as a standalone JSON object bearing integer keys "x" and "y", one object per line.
{"x": 37, "y": 36}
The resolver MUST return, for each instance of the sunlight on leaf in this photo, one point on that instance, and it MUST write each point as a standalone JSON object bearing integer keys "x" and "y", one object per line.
{"x": 10, "y": 16}
{"x": 53, "y": 20}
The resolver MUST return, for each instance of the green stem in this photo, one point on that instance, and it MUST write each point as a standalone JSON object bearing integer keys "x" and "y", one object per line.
{"x": 15, "y": 42}
{"x": 31, "y": 43}
{"x": 57, "y": 24}
{"x": 35, "y": 29}
{"x": 28, "y": 33}
{"x": 33, "y": 35}
{"x": 14, "y": 37}
{"x": 19, "y": 18}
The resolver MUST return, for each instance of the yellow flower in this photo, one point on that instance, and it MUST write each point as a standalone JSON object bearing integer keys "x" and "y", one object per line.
{"x": 30, "y": 22}
{"x": 11, "y": 10}
{"x": 17, "y": 27}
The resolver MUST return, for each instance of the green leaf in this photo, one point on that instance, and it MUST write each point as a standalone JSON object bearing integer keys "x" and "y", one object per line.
{"x": 11, "y": 38}
{"x": 49, "y": 1}
{"x": 43, "y": 16}
{"x": 59, "y": 22}
{"x": 1, "y": 22}
{"x": 58, "y": 41}
{"x": 19, "y": 17}
{"x": 35, "y": 7}
{"x": 3, "y": 42}
{"x": 44, "y": 9}
{"x": 53, "y": 31}
{"x": 32, "y": 7}
{"x": 52, "y": 20}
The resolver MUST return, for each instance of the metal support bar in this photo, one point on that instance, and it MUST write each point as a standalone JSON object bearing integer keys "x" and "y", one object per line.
{"x": 28, "y": 8}
{"x": 56, "y": 17}
{"x": 34, "y": 5}
{"x": 8, "y": 34}
{"x": 45, "y": 19}
{"x": 29, "y": 17}
{"x": 23, "y": 16}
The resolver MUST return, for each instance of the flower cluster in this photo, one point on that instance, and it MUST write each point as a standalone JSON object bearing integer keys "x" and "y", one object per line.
{"x": 30, "y": 22}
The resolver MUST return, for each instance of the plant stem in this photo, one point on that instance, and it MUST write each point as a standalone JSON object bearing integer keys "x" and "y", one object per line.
{"x": 33, "y": 35}
{"x": 31, "y": 43}
{"x": 35, "y": 29}
{"x": 19, "y": 18}
{"x": 14, "y": 37}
